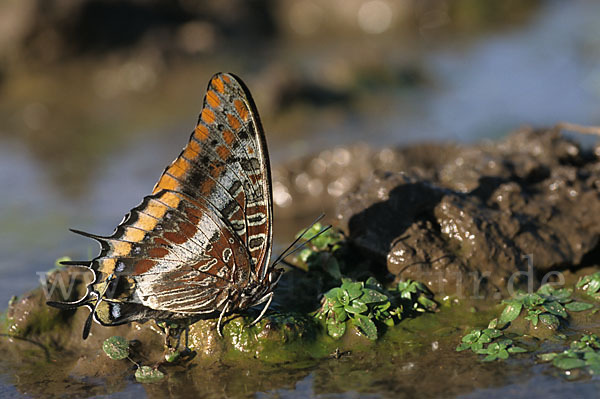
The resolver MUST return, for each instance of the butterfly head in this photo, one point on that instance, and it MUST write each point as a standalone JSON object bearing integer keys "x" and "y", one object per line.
{"x": 256, "y": 291}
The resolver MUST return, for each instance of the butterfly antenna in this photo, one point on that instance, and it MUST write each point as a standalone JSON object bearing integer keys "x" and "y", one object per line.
{"x": 301, "y": 246}
{"x": 291, "y": 250}
{"x": 283, "y": 255}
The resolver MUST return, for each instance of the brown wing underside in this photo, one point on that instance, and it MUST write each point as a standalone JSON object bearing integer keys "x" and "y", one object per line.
{"x": 215, "y": 198}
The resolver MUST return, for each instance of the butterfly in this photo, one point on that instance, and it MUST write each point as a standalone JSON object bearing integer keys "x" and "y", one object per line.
{"x": 199, "y": 246}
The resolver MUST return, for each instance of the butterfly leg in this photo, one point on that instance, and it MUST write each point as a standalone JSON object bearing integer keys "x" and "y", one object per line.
{"x": 170, "y": 331}
{"x": 268, "y": 298}
{"x": 225, "y": 309}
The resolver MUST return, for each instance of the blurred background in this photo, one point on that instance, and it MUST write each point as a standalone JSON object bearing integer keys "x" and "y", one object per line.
{"x": 98, "y": 96}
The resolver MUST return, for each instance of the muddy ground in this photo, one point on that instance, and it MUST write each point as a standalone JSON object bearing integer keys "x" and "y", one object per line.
{"x": 473, "y": 222}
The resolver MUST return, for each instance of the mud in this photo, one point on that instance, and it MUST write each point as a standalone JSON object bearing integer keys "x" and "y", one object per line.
{"x": 460, "y": 218}
{"x": 471, "y": 219}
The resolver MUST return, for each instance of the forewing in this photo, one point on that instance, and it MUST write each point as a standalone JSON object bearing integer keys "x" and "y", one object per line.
{"x": 227, "y": 164}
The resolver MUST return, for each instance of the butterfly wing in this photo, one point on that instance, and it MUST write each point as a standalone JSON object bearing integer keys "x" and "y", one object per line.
{"x": 226, "y": 162}
{"x": 205, "y": 231}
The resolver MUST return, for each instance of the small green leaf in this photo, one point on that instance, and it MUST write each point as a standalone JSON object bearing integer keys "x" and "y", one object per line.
{"x": 336, "y": 329}
{"x": 333, "y": 293}
{"x": 340, "y": 313}
{"x": 116, "y": 347}
{"x": 533, "y": 317}
{"x": 343, "y": 296}
{"x": 373, "y": 283}
{"x": 532, "y": 300}
{"x": 578, "y": 306}
{"x": 427, "y": 303}
{"x": 372, "y": 296}
{"x": 305, "y": 254}
{"x": 462, "y": 346}
{"x": 492, "y": 332}
{"x": 477, "y": 346}
{"x": 546, "y": 289}
{"x": 356, "y": 307}
{"x": 590, "y": 284}
{"x": 354, "y": 289}
{"x": 510, "y": 313}
{"x": 381, "y": 307}
{"x": 147, "y": 374}
{"x": 568, "y": 363}
{"x": 172, "y": 357}
{"x": 472, "y": 336}
{"x": 484, "y": 339}
{"x": 503, "y": 354}
{"x": 550, "y": 320}
{"x": 484, "y": 351}
{"x": 555, "y": 308}
{"x": 560, "y": 294}
{"x": 422, "y": 287}
{"x": 366, "y": 326}
{"x": 546, "y": 357}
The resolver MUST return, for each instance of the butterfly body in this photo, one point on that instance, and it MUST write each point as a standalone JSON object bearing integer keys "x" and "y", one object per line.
{"x": 199, "y": 246}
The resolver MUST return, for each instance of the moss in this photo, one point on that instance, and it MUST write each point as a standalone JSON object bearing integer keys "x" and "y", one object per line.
{"x": 277, "y": 338}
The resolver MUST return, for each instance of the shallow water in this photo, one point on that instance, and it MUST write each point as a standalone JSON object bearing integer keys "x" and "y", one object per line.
{"x": 539, "y": 72}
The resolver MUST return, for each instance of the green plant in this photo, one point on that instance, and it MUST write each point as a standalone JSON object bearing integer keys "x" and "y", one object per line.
{"x": 115, "y": 347}
{"x": 147, "y": 374}
{"x": 328, "y": 239}
{"x": 320, "y": 251}
{"x": 355, "y": 302}
{"x": 590, "y": 284}
{"x": 582, "y": 353}
{"x": 416, "y": 296}
{"x": 548, "y": 305}
{"x": 368, "y": 304}
{"x": 118, "y": 348}
{"x": 490, "y": 342}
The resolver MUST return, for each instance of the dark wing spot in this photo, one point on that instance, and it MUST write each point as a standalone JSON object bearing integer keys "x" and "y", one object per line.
{"x": 250, "y": 164}
{"x": 230, "y": 209}
{"x": 235, "y": 188}
{"x": 256, "y": 242}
